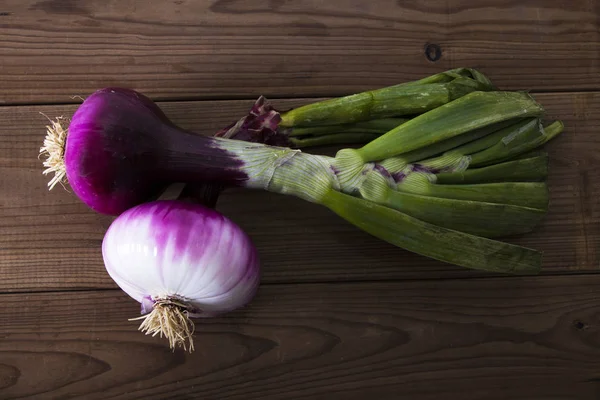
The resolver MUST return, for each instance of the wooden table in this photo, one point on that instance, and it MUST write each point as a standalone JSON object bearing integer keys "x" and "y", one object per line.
{"x": 339, "y": 315}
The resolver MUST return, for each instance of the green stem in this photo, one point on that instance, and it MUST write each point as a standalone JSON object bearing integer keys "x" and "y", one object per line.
{"x": 335, "y": 138}
{"x": 472, "y": 111}
{"x": 521, "y": 170}
{"x": 457, "y": 156}
{"x": 396, "y": 164}
{"x": 381, "y": 125}
{"x": 529, "y": 154}
{"x": 443, "y": 244}
{"x": 376, "y": 126}
{"x": 525, "y": 194}
{"x": 474, "y": 217}
{"x": 519, "y": 143}
{"x": 393, "y": 101}
{"x": 523, "y": 125}
{"x": 452, "y": 74}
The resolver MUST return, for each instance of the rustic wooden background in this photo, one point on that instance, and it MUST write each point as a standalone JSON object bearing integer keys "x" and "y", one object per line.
{"x": 340, "y": 315}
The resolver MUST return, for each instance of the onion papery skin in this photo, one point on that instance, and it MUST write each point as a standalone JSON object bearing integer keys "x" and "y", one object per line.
{"x": 172, "y": 249}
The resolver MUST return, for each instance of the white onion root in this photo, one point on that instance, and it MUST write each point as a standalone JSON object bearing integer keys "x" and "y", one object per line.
{"x": 170, "y": 319}
{"x": 54, "y": 149}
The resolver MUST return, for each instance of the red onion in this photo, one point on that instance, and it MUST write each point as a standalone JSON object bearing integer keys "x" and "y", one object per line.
{"x": 180, "y": 261}
{"x": 120, "y": 150}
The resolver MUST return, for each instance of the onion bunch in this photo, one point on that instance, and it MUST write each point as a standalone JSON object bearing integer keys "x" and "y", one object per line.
{"x": 449, "y": 164}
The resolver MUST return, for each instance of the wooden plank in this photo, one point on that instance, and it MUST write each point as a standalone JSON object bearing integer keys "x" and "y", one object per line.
{"x": 49, "y": 240}
{"x": 517, "y": 338}
{"x": 51, "y": 50}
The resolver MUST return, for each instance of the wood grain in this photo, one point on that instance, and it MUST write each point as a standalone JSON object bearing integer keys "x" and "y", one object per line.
{"x": 503, "y": 338}
{"x": 51, "y": 241}
{"x": 52, "y": 50}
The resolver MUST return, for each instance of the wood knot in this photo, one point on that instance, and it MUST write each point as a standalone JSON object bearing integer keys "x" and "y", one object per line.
{"x": 433, "y": 52}
{"x": 580, "y": 325}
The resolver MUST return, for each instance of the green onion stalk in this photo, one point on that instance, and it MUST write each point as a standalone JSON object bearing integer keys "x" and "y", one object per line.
{"x": 354, "y": 119}
{"x": 445, "y": 181}
{"x": 464, "y": 188}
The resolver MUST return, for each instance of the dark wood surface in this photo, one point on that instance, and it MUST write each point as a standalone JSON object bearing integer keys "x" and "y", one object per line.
{"x": 52, "y": 50}
{"x": 493, "y": 339}
{"x": 339, "y": 315}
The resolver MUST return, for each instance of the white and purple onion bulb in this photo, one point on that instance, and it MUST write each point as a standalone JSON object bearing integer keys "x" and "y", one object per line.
{"x": 180, "y": 261}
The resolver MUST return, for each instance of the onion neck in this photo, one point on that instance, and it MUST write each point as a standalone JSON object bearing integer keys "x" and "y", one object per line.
{"x": 283, "y": 170}
{"x": 189, "y": 157}
{"x": 192, "y": 158}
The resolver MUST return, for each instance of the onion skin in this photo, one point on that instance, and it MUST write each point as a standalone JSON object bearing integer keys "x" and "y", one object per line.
{"x": 122, "y": 150}
{"x": 175, "y": 249}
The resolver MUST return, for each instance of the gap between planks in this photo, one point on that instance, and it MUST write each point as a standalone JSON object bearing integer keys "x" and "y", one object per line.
{"x": 224, "y": 99}
{"x": 553, "y": 274}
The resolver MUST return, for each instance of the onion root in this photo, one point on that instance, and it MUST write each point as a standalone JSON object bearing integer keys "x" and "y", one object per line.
{"x": 54, "y": 148}
{"x": 169, "y": 318}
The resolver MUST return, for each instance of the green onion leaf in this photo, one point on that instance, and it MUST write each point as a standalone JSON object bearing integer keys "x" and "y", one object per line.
{"x": 525, "y": 194}
{"x": 474, "y": 217}
{"x": 429, "y": 240}
{"x": 519, "y": 143}
{"x": 394, "y": 101}
{"x": 472, "y": 111}
{"x": 531, "y": 169}
{"x": 334, "y": 138}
